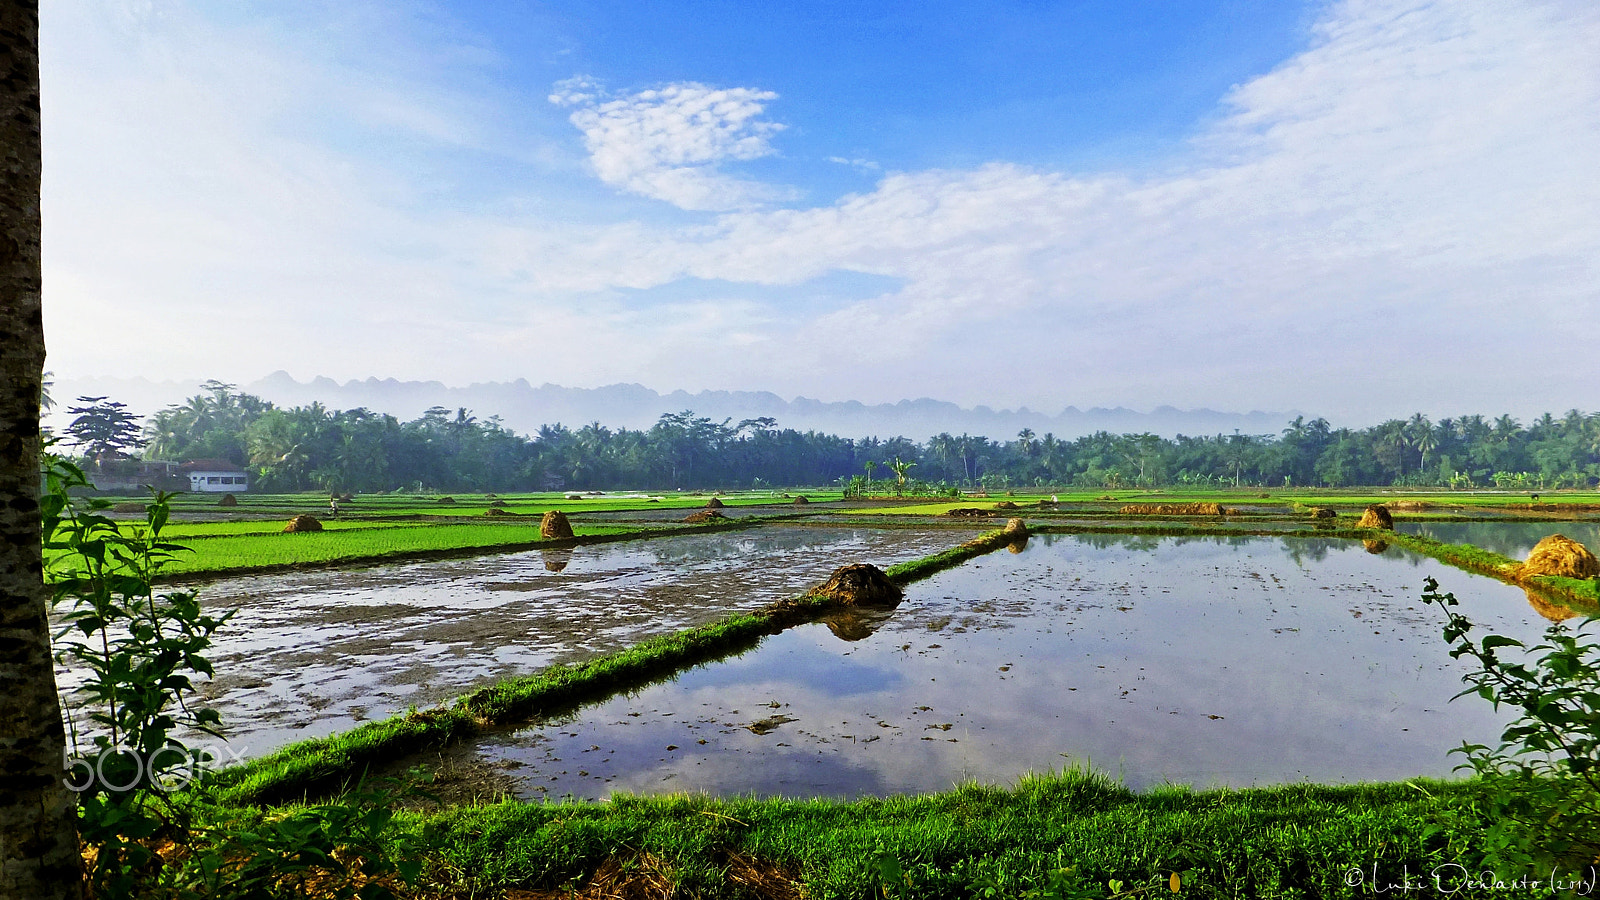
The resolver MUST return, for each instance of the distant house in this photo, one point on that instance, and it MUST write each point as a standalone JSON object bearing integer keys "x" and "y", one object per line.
{"x": 217, "y": 476}
{"x": 124, "y": 475}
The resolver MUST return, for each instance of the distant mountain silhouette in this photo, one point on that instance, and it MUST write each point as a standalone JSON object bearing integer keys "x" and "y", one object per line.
{"x": 523, "y": 408}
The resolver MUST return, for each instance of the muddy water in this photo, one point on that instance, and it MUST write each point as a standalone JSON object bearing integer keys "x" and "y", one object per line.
{"x": 314, "y": 653}
{"x": 1513, "y": 539}
{"x": 1209, "y": 661}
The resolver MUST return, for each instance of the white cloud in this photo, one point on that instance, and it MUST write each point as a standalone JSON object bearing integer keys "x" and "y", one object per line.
{"x": 668, "y": 143}
{"x": 1402, "y": 216}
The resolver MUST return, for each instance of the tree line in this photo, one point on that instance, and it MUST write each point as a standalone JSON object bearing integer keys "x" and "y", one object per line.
{"x": 313, "y": 447}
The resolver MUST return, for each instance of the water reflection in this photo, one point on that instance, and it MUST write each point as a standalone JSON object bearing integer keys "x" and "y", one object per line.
{"x": 557, "y": 560}
{"x": 856, "y": 623}
{"x": 1208, "y": 661}
{"x": 1375, "y": 547}
{"x": 1511, "y": 539}
{"x": 313, "y": 653}
{"x": 1549, "y": 607}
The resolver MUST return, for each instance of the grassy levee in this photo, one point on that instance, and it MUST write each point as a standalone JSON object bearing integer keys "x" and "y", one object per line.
{"x": 1583, "y": 591}
{"x": 971, "y": 841}
{"x": 328, "y": 764}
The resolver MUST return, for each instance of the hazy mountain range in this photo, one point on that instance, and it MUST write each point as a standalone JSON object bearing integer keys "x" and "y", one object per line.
{"x": 523, "y": 407}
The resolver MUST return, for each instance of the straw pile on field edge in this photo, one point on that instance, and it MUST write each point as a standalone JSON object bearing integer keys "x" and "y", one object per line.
{"x": 228, "y": 500}
{"x": 497, "y": 503}
{"x": 860, "y": 584}
{"x": 703, "y": 516}
{"x": 494, "y": 512}
{"x": 801, "y": 500}
{"x": 1016, "y": 528}
{"x": 1376, "y": 517}
{"x": 1560, "y": 555}
{"x": 1005, "y": 504}
{"x": 969, "y": 512}
{"x": 1409, "y": 504}
{"x": 554, "y": 525}
{"x": 302, "y": 523}
{"x": 714, "y": 503}
{"x": 1172, "y": 509}
{"x": 1322, "y": 512}
{"x": 445, "y": 500}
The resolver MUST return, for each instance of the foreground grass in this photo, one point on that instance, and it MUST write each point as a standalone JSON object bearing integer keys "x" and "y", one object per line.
{"x": 1077, "y": 831}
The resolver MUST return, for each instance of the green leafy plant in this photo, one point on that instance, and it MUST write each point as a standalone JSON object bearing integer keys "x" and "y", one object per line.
{"x": 142, "y": 789}
{"x": 1543, "y": 780}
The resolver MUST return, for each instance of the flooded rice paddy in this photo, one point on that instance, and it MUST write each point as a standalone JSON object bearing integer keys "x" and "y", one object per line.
{"x": 1513, "y": 539}
{"x": 1208, "y": 661}
{"x": 309, "y": 654}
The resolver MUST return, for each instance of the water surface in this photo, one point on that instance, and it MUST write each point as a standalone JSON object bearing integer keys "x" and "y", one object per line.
{"x": 1208, "y": 661}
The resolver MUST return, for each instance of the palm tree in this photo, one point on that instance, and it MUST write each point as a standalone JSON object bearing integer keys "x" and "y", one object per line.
{"x": 38, "y": 821}
{"x": 870, "y": 466}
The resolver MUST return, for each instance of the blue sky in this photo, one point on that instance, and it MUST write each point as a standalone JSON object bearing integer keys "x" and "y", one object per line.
{"x": 1358, "y": 209}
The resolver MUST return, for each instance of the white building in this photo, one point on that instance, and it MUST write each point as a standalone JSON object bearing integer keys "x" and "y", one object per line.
{"x": 217, "y": 476}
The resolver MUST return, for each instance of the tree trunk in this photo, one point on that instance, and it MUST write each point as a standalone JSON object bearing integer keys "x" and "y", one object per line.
{"x": 38, "y": 835}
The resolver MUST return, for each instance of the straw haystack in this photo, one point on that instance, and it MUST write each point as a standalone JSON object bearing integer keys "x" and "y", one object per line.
{"x": 302, "y": 523}
{"x": 969, "y": 512}
{"x": 554, "y": 525}
{"x": 714, "y": 503}
{"x": 228, "y": 500}
{"x": 1006, "y": 504}
{"x": 445, "y": 500}
{"x": 1172, "y": 509}
{"x": 1409, "y": 504}
{"x": 704, "y": 516}
{"x": 1016, "y": 528}
{"x": 801, "y": 500}
{"x": 1376, "y": 517}
{"x": 860, "y": 584}
{"x": 1560, "y": 555}
{"x": 497, "y": 503}
{"x": 1322, "y": 512}
{"x": 495, "y": 512}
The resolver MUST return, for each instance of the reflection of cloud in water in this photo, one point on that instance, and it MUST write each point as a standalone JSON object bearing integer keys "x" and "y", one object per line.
{"x": 1209, "y": 661}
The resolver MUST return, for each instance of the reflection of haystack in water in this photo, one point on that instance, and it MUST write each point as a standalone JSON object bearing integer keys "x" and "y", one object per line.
{"x": 969, "y": 512}
{"x": 554, "y": 525}
{"x": 714, "y": 503}
{"x": 704, "y": 516}
{"x": 860, "y": 584}
{"x": 1375, "y": 547}
{"x": 1560, "y": 555}
{"x": 228, "y": 500}
{"x": 302, "y": 523}
{"x": 855, "y": 623}
{"x": 1018, "y": 545}
{"x": 1172, "y": 509}
{"x": 1376, "y": 517}
{"x": 556, "y": 560}
{"x": 1548, "y": 608}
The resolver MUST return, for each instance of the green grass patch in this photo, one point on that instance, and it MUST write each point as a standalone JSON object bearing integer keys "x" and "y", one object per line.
{"x": 1075, "y": 827}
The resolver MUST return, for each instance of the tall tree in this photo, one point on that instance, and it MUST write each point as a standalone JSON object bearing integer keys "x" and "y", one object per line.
{"x": 38, "y": 837}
